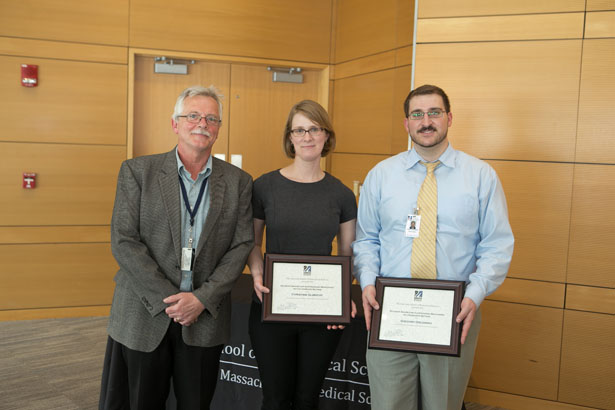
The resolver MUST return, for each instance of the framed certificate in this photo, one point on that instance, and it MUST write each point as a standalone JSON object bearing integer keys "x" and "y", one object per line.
{"x": 417, "y": 315}
{"x": 307, "y": 289}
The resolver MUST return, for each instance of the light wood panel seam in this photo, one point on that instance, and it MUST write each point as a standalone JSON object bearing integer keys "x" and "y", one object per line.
{"x": 362, "y": 153}
{"x": 522, "y": 304}
{"x": 53, "y": 307}
{"x": 546, "y": 162}
{"x": 530, "y": 40}
{"x": 370, "y": 55}
{"x": 372, "y": 72}
{"x": 593, "y": 312}
{"x": 79, "y": 144}
{"x": 491, "y": 299}
{"x": 571, "y": 203}
{"x": 70, "y": 59}
{"x": 333, "y": 32}
{"x": 96, "y": 61}
{"x": 507, "y": 14}
{"x": 225, "y": 58}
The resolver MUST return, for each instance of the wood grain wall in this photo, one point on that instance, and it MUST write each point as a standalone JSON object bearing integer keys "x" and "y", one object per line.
{"x": 371, "y": 75}
{"x": 533, "y": 92}
{"x": 72, "y": 130}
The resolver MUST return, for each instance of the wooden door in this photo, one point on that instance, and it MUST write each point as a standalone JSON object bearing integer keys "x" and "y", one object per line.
{"x": 254, "y": 109}
{"x": 259, "y": 109}
{"x": 154, "y": 101}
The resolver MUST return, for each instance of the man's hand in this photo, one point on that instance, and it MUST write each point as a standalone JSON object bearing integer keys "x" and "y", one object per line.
{"x": 369, "y": 302}
{"x": 184, "y": 308}
{"x": 468, "y": 310}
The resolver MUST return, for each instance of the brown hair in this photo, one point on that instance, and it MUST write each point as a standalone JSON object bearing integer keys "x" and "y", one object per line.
{"x": 318, "y": 115}
{"x": 426, "y": 90}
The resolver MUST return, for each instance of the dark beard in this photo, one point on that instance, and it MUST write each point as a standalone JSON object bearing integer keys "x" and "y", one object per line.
{"x": 436, "y": 142}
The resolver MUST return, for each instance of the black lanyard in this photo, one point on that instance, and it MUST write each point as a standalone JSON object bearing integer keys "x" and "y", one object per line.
{"x": 191, "y": 212}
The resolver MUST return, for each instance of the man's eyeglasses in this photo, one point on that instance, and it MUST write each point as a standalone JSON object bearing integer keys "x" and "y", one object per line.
{"x": 313, "y": 131}
{"x": 419, "y": 115}
{"x": 195, "y": 118}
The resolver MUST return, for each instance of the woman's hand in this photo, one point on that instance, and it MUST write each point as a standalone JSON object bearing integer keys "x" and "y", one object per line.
{"x": 258, "y": 286}
{"x": 353, "y": 313}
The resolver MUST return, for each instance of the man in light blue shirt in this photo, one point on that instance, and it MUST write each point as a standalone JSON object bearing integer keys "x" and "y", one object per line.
{"x": 474, "y": 244}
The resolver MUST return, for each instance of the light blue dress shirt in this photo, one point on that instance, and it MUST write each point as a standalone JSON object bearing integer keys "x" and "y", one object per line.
{"x": 474, "y": 242}
{"x": 192, "y": 189}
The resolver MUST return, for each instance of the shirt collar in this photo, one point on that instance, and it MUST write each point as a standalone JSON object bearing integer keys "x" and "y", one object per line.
{"x": 181, "y": 170}
{"x": 447, "y": 158}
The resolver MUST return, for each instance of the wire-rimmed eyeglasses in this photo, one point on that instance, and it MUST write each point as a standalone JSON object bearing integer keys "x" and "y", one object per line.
{"x": 195, "y": 118}
{"x": 419, "y": 115}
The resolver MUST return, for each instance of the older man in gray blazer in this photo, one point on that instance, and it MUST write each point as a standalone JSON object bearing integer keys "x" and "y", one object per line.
{"x": 181, "y": 232}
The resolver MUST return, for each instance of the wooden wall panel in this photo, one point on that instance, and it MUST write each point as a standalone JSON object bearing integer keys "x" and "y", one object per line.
{"x": 600, "y": 24}
{"x": 75, "y": 102}
{"x": 349, "y": 168}
{"x": 54, "y": 313}
{"x": 368, "y": 112}
{"x": 600, "y": 5}
{"x": 404, "y": 23}
{"x": 518, "y": 350}
{"x": 369, "y": 64}
{"x": 257, "y": 28}
{"x": 590, "y": 299}
{"x": 60, "y": 275}
{"x": 588, "y": 360}
{"x": 539, "y": 214}
{"x": 54, "y": 234}
{"x": 592, "y": 232}
{"x": 75, "y": 184}
{"x": 455, "y": 8}
{"x": 596, "y": 128}
{"x": 362, "y": 108}
{"x": 531, "y": 292}
{"x": 525, "y": 109}
{"x": 401, "y": 88}
{"x": 501, "y": 28}
{"x": 355, "y": 38}
{"x": 62, "y": 50}
{"x": 67, "y": 20}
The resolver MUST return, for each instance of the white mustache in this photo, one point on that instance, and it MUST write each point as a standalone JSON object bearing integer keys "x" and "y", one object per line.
{"x": 201, "y": 132}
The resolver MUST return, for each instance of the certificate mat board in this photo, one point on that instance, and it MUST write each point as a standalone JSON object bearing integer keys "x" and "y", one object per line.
{"x": 417, "y": 315}
{"x": 307, "y": 289}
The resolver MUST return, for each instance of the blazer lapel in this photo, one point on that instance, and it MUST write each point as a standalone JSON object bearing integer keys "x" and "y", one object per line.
{"x": 217, "y": 188}
{"x": 169, "y": 187}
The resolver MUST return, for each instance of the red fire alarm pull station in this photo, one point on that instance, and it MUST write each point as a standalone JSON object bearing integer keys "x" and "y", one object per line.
{"x": 29, "y": 75}
{"x": 29, "y": 180}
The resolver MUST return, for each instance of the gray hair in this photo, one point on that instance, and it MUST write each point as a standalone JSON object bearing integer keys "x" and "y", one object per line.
{"x": 194, "y": 91}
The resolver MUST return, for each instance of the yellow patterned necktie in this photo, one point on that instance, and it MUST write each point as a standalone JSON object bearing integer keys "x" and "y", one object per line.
{"x": 423, "y": 260}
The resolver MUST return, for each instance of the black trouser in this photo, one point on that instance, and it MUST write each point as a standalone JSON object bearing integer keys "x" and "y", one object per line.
{"x": 292, "y": 361}
{"x": 141, "y": 380}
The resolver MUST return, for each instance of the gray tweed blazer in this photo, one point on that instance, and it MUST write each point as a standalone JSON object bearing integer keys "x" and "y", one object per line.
{"x": 146, "y": 242}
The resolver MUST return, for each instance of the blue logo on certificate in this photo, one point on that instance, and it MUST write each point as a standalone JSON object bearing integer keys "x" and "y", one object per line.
{"x": 307, "y": 270}
{"x": 418, "y": 295}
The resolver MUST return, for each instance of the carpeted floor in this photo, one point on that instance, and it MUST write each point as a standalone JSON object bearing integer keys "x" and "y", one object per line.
{"x": 56, "y": 364}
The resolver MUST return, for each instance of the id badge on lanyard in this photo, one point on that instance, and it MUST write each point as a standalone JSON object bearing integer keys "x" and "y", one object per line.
{"x": 413, "y": 224}
{"x": 187, "y": 258}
